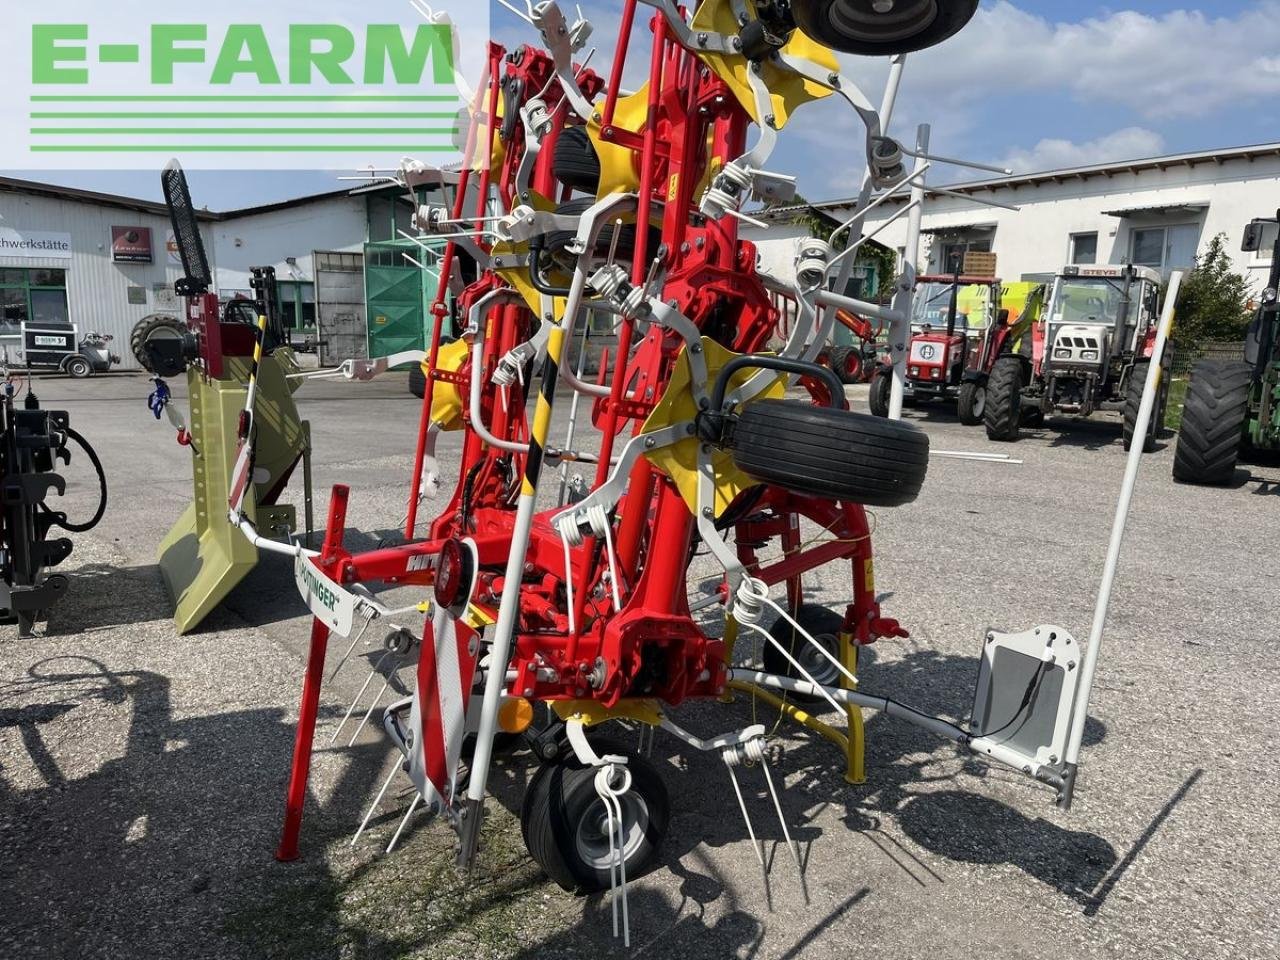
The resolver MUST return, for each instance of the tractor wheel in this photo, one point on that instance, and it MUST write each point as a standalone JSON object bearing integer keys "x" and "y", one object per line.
{"x": 79, "y": 368}
{"x": 159, "y": 324}
{"x": 1003, "y": 414}
{"x": 972, "y": 402}
{"x": 1213, "y": 423}
{"x": 558, "y": 240}
{"x": 823, "y": 625}
{"x": 565, "y": 828}
{"x": 847, "y": 363}
{"x": 837, "y": 454}
{"x": 881, "y": 390}
{"x": 417, "y": 381}
{"x": 1133, "y": 403}
{"x": 575, "y": 163}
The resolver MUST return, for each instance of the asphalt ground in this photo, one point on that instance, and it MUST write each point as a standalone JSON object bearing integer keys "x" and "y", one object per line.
{"x": 142, "y": 774}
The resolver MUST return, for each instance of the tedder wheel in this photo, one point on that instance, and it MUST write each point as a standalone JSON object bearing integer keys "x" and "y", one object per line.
{"x": 881, "y": 389}
{"x": 159, "y": 324}
{"x": 972, "y": 402}
{"x": 824, "y": 452}
{"x": 79, "y": 367}
{"x": 873, "y": 29}
{"x": 575, "y": 163}
{"x": 1133, "y": 403}
{"x": 417, "y": 381}
{"x": 1003, "y": 413}
{"x": 824, "y": 626}
{"x": 1213, "y": 422}
{"x": 565, "y": 828}
{"x": 557, "y": 240}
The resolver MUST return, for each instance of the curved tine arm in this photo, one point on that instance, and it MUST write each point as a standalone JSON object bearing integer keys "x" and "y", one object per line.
{"x": 845, "y": 87}
{"x": 763, "y": 148}
{"x": 532, "y": 145}
{"x": 560, "y": 41}
{"x": 475, "y": 326}
{"x": 610, "y": 492}
{"x": 568, "y": 375}
{"x": 734, "y": 571}
{"x": 466, "y": 93}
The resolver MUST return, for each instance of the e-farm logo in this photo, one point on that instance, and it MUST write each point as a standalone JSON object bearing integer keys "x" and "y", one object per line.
{"x": 239, "y": 91}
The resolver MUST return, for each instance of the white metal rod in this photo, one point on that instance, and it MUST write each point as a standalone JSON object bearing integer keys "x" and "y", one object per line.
{"x": 900, "y": 331}
{"x": 1080, "y": 710}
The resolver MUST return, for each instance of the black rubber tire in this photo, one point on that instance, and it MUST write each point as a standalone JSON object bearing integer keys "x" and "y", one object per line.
{"x": 1003, "y": 416}
{"x": 831, "y": 453}
{"x": 556, "y": 801}
{"x": 417, "y": 381}
{"x": 1133, "y": 403}
{"x": 847, "y": 364}
{"x": 79, "y": 368}
{"x": 144, "y": 328}
{"x": 881, "y": 391}
{"x": 557, "y": 240}
{"x": 1213, "y": 422}
{"x": 815, "y": 18}
{"x": 971, "y": 403}
{"x": 824, "y": 625}
{"x": 575, "y": 163}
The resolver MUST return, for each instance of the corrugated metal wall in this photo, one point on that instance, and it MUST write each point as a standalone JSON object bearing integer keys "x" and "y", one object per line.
{"x": 97, "y": 288}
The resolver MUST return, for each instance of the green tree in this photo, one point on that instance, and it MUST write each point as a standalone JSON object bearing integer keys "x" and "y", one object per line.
{"x": 1214, "y": 301}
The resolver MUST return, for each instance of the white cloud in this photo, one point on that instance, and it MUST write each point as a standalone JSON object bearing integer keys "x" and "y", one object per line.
{"x": 1131, "y": 143}
{"x": 1184, "y": 63}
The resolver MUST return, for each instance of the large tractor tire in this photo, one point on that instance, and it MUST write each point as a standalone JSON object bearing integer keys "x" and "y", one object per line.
{"x": 1213, "y": 423}
{"x": 159, "y": 324}
{"x": 417, "y": 381}
{"x": 1003, "y": 414}
{"x": 851, "y": 27}
{"x": 565, "y": 827}
{"x": 824, "y": 452}
{"x": 824, "y": 625}
{"x": 971, "y": 404}
{"x": 1133, "y": 403}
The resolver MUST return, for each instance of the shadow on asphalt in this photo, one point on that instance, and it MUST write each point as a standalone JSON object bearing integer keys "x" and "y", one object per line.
{"x": 183, "y": 822}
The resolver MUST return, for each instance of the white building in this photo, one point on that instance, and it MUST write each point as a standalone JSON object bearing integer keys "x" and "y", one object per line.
{"x": 1158, "y": 212}
{"x": 103, "y": 262}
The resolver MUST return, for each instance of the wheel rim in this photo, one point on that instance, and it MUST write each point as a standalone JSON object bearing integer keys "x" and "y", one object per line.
{"x": 852, "y": 366}
{"x": 591, "y": 838}
{"x": 979, "y": 401}
{"x": 814, "y": 663}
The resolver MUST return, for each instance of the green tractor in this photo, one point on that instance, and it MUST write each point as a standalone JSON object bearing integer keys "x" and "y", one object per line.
{"x": 1233, "y": 406}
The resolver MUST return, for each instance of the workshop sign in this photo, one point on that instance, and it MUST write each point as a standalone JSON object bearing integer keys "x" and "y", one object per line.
{"x": 237, "y": 85}
{"x": 16, "y": 243}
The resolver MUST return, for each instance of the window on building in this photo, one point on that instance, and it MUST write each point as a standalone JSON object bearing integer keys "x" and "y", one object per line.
{"x": 1268, "y": 245}
{"x": 32, "y": 296}
{"x": 1164, "y": 248}
{"x": 1084, "y": 248}
{"x": 297, "y": 304}
{"x": 953, "y": 252}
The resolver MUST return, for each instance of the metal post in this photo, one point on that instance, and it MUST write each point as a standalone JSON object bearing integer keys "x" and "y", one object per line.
{"x": 1080, "y": 709}
{"x": 900, "y": 329}
{"x": 310, "y": 704}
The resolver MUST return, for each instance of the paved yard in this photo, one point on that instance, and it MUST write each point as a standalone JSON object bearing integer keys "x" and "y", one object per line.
{"x": 142, "y": 774}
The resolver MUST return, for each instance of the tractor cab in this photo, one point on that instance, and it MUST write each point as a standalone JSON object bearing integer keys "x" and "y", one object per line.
{"x": 950, "y": 317}
{"x": 1099, "y": 317}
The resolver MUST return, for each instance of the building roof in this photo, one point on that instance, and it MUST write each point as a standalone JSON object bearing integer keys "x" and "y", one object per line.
{"x": 1107, "y": 170}
{"x": 38, "y": 189}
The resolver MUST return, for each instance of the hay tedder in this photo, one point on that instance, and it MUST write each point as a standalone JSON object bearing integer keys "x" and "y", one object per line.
{"x": 555, "y": 573}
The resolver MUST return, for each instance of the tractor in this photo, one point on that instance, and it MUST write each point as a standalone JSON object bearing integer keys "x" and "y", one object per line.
{"x": 954, "y": 336}
{"x": 1233, "y": 406}
{"x": 1091, "y": 352}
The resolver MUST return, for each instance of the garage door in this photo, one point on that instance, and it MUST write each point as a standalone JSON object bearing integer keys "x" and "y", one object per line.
{"x": 340, "y": 314}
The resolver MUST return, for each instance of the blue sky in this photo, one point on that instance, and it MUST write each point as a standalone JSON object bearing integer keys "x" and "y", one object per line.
{"x": 1030, "y": 83}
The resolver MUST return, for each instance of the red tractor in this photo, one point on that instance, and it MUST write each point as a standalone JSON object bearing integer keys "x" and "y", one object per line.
{"x": 958, "y": 329}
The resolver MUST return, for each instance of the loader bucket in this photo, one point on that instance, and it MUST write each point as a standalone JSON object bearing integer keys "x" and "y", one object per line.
{"x": 204, "y": 555}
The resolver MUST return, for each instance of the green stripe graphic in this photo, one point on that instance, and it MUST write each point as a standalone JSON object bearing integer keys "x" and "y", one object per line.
{"x": 242, "y": 98}
{"x": 237, "y": 148}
